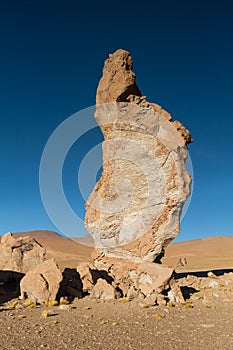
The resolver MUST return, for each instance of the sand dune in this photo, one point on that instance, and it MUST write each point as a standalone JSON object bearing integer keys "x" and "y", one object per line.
{"x": 206, "y": 253}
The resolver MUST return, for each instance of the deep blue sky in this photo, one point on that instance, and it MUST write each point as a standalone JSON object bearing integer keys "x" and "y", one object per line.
{"x": 52, "y": 53}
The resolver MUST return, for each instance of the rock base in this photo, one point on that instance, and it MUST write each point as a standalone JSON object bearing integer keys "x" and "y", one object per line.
{"x": 113, "y": 278}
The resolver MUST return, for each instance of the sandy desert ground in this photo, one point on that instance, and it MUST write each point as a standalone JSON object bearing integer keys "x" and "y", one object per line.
{"x": 91, "y": 324}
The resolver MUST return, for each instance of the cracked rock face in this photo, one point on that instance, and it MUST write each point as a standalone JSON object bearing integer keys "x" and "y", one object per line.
{"x": 134, "y": 209}
{"x": 20, "y": 254}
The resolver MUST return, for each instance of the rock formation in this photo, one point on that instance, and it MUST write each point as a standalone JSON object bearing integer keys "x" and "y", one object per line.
{"x": 134, "y": 209}
{"x": 20, "y": 254}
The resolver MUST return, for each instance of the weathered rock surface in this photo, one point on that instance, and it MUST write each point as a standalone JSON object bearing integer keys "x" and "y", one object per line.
{"x": 42, "y": 283}
{"x": 134, "y": 209}
{"x": 20, "y": 254}
{"x": 145, "y": 277}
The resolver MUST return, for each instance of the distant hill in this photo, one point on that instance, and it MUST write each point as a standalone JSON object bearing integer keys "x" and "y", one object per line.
{"x": 205, "y": 253}
{"x": 67, "y": 252}
{"x": 214, "y": 252}
{"x": 39, "y": 234}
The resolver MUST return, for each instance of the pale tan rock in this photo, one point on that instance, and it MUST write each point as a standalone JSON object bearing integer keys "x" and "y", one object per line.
{"x": 161, "y": 301}
{"x": 151, "y": 299}
{"x": 86, "y": 275}
{"x": 132, "y": 293}
{"x": 118, "y": 80}
{"x": 141, "y": 278}
{"x": 42, "y": 283}
{"x": 181, "y": 262}
{"x": 20, "y": 254}
{"x": 103, "y": 290}
{"x": 211, "y": 275}
{"x": 153, "y": 277}
{"x": 123, "y": 287}
{"x": 134, "y": 209}
{"x": 174, "y": 294}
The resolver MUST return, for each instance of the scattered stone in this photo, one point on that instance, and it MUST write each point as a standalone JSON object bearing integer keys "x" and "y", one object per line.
{"x": 211, "y": 275}
{"x": 65, "y": 307}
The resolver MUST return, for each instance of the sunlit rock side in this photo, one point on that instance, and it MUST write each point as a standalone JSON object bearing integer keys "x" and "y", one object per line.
{"x": 134, "y": 210}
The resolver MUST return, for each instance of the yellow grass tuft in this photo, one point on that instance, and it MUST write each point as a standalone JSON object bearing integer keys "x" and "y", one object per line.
{"x": 170, "y": 304}
{"x": 51, "y": 303}
{"x": 20, "y": 317}
{"x": 13, "y": 305}
{"x": 123, "y": 300}
{"x": 63, "y": 301}
{"x": 187, "y": 304}
{"x": 159, "y": 316}
{"x": 45, "y": 313}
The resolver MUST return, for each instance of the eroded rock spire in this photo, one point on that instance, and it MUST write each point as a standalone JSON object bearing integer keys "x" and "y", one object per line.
{"x": 134, "y": 210}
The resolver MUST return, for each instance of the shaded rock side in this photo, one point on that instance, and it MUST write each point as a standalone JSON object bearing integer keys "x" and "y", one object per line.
{"x": 134, "y": 209}
{"x": 42, "y": 283}
{"x": 20, "y": 254}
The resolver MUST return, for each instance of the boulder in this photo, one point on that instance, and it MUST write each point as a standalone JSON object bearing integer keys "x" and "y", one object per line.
{"x": 20, "y": 254}
{"x": 42, "y": 283}
{"x": 103, "y": 290}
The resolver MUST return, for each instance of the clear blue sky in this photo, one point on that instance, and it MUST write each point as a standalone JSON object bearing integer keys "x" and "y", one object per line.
{"x": 52, "y": 53}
